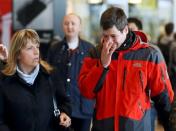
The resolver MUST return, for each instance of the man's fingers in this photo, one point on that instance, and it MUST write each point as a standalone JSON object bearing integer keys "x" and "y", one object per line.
{"x": 107, "y": 47}
{"x": 112, "y": 49}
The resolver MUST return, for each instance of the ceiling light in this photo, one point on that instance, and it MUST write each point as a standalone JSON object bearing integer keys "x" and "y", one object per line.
{"x": 95, "y": 1}
{"x": 134, "y": 1}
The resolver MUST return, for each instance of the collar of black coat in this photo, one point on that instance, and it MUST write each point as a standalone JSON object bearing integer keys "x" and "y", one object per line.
{"x": 41, "y": 71}
{"x": 9, "y": 79}
{"x": 129, "y": 41}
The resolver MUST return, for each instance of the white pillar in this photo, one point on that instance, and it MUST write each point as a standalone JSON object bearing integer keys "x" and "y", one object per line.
{"x": 122, "y": 3}
{"x": 174, "y": 14}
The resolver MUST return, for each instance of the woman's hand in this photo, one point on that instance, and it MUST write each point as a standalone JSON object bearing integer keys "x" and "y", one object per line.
{"x": 65, "y": 120}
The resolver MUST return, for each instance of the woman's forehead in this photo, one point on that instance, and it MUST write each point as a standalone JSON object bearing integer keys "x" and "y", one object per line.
{"x": 31, "y": 42}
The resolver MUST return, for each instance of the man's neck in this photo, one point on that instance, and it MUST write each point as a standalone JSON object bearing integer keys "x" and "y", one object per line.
{"x": 73, "y": 43}
{"x": 70, "y": 40}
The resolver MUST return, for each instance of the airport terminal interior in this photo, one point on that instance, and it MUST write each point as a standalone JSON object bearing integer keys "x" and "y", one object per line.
{"x": 46, "y": 16}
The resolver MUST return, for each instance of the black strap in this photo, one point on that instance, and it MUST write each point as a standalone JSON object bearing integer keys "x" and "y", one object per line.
{"x": 100, "y": 81}
{"x": 56, "y": 109}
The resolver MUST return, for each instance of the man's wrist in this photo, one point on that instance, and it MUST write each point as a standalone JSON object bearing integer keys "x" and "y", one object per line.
{"x": 104, "y": 66}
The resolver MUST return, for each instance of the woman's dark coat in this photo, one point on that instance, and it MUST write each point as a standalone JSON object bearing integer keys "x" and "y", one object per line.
{"x": 25, "y": 107}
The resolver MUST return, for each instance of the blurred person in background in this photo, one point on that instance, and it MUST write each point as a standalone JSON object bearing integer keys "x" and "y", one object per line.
{"x": 26, "y": 92}
{"x": 68, "y": 56}
{"x": 166, "y": 40}
{"x": 172, "y": 63}
{"x": 172, "y": 75}
{"x": 134, "y": 24}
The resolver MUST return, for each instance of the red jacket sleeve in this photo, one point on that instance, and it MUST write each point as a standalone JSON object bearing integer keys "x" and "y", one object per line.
{"x": 89, "y": 76}
{"x": 159, "y": 80}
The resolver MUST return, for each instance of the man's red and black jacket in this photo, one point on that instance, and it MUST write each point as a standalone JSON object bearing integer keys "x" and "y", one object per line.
{"x": 123, "y": 91}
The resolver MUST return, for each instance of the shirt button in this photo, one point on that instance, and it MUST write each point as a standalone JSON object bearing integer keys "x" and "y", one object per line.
{"x": 68, "y": 79}
{"x": 69, "y": 64}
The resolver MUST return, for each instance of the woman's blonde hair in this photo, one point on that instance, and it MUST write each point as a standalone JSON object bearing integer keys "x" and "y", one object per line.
{"x": 19, "y": 41}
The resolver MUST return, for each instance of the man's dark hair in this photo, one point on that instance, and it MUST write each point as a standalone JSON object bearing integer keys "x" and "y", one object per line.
{"x": 136, "y": 21}
{"x": 113, "y": 16}
{"x": 169, "y": 28}
{"x": 175, "y": 36}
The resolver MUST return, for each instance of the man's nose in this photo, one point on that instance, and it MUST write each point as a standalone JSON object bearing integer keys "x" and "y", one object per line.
{"x": 69, "y": 25}
{"x": 109, "y": 39}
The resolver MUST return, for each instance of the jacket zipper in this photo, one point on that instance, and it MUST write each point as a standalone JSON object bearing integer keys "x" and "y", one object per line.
{"x": 141, "y": 79}
{"x": 124, "y": 78}
{"x": 163, "y": 78}
{"x": 140, "y": 107}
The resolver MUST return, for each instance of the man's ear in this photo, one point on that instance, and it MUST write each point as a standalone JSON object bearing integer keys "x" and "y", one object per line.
{"x": 126, "y": 30}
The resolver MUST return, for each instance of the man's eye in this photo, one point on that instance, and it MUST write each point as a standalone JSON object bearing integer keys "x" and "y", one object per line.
{"x": 105, "y": 36}
{"x": 113, "y": 36}
{"x": 66, "y": 23}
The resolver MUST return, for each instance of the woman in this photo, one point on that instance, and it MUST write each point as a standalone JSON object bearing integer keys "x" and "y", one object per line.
{"x": 27, "y": 88}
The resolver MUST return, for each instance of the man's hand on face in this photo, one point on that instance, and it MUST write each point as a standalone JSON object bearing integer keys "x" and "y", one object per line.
{"x": 108, "y": 47}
